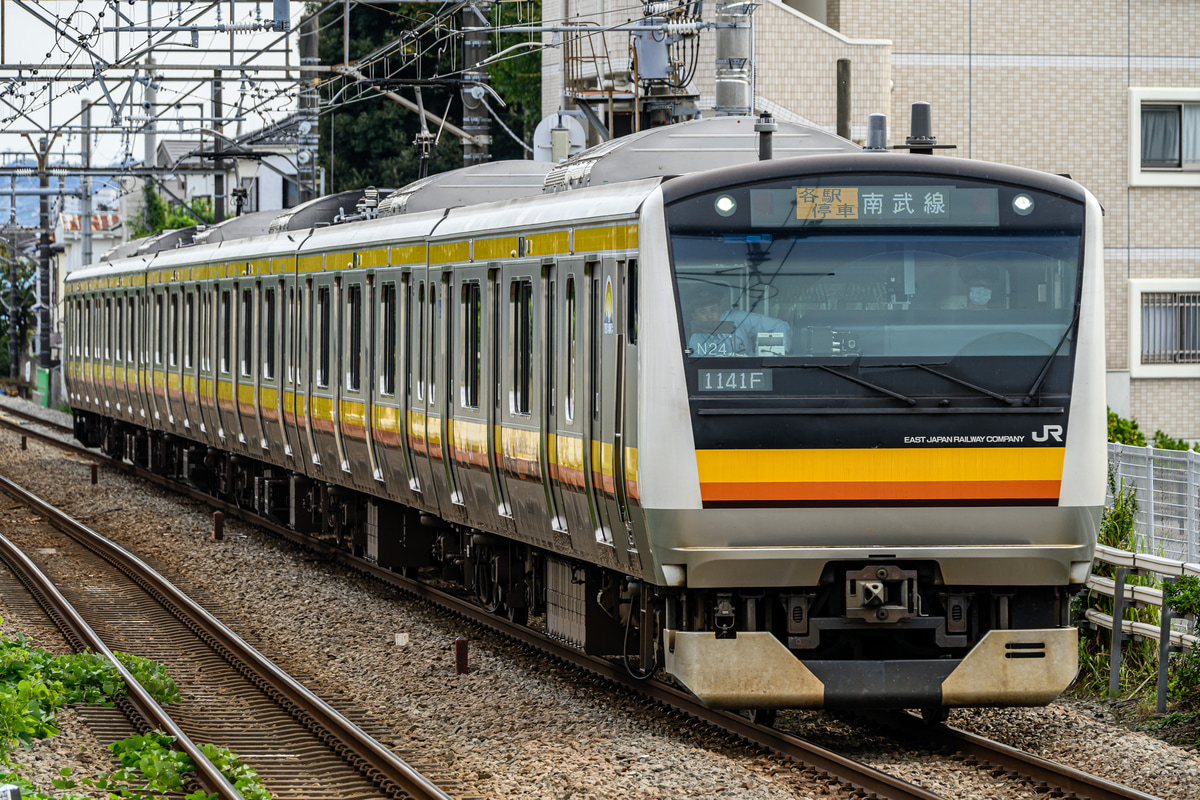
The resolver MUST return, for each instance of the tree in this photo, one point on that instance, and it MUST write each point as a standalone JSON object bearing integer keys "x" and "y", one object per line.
{"x": 158, "y": 215}
{"x": 367, "y": 138}
{"x": 26, "y": 275}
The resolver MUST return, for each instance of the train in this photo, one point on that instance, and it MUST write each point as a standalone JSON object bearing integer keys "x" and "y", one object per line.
{"x": 823, "y": 430}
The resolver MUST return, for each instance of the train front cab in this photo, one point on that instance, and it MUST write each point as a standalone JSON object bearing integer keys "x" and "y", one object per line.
{"x": 889, "y": 499}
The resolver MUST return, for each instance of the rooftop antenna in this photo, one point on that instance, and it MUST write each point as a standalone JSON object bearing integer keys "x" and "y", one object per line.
{"x": 921, "y": 140}
{"x": 877, "y": 133}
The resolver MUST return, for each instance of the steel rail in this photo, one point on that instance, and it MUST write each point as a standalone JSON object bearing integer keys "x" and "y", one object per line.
{"x": 372, "y": 757}
{"x": 846, "y": 770}
{"x": 83, "y": 638}
{"x": 1041, "y": 770}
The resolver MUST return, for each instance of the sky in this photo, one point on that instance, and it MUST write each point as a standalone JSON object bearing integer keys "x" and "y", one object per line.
{"x": 72, "y": 40}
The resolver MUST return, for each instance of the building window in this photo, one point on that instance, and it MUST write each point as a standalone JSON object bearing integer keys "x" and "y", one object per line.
{"x": 1164, "y": 134}
{"x": 1165, "y": 328}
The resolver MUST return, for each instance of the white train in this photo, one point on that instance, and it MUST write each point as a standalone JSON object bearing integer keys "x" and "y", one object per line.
{"x": 819, "y": 431}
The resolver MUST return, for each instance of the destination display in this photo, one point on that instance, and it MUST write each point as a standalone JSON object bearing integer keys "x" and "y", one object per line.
{"x": 903, "y": 205}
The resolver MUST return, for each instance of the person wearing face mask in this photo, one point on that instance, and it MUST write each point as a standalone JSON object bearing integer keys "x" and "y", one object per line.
{"x": 981, "y": 285}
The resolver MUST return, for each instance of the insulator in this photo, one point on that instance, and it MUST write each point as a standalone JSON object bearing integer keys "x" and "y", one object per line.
{"x": 683, "y": 28}
{"x": 658, "y": 9}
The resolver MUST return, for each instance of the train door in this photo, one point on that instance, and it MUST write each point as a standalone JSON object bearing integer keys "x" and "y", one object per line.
{"x": 552, "y": 400}
{"x": 323, "y": 388}
{"x": 205, "y": 379}
{"x": 137, "y": 334}
{"x": 120, "y": 390}
{"x": 424, "y": 392}
{"x": 603, "y": 375}
{"x": 175, "y": 408}
{"x": 290, "y": 300}
{"x": 245, "y": 376}
{"x": 570, "y": 408}
{"x": 267, "y": 374}
{"x": 497, "y": 395}
{"x": 193, "y": 418}
{"x": 470, "y": 464}
{"x": 446, "y": 342}
{"x": 295, "y": 369}
{"x": 307, "y": 336}
{"x": 388, "y": 446}
{"x": 523, "y": 436}
{"x": 614, "y": 336}
{"x": 155, "y": 327}
{"x": 354, "y": 426}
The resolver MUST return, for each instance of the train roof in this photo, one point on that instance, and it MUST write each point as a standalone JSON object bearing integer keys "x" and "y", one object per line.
{"x": 688, "y": 147}
{"x": 482, "y": 183}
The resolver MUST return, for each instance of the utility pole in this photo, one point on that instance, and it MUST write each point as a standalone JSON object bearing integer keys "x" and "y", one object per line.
{"x": 306, "y": 154}
{"x": 14, "y": 344}
{"x": 218, "y": 146}
{"x": 476, "y": 119}
{"x": 43, "y": 299}
{"x": 85, "y": 184}
{"x": 149, "y": 101}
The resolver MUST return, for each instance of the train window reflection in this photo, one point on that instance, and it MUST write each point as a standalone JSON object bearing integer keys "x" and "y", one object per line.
{"x": 323, "y": 315}
{"x": 915, "y": 295}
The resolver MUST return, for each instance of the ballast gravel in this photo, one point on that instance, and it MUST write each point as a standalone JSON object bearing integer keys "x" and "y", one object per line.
{"x": 521, "y": 725}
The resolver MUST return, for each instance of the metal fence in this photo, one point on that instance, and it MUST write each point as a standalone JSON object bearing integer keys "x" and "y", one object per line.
{"x": 1167, "y": 484}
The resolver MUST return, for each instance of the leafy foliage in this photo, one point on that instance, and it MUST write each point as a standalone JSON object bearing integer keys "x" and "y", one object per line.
{"x": 150, "y": 767}
{"x": 367, "y": 138}
{"x": 1183, "y": 595}
{"x": 22, "y": 311}
{"x": 158, "y": 215}
{"x": 1124, "y": 431}
{"x": 1164, "y": 441}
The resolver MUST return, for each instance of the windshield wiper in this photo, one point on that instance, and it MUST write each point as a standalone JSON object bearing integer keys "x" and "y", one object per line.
{"x": 861, "y": 382}
{"x": 929, "y": 368}
{"x": 1050, "y": 360}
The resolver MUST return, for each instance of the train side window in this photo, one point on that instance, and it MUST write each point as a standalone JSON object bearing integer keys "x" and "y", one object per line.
{"x": 269, "y": 334}
{"x": 323, "y": 321}
{"x": 119, "y": 331}
{"x": 631, "y": 300}
{"x": 571, "y": 334}
{"x": 289, "y": 347}
{"x": 108, "y": 328}
{"x": 521, "y": 297}
{"x": 131, "y": 344}
{"x": 435, "y": 322}
{"x": 247, "y": 325}
{"x": 387, "y": 313}
{"x": 421, "y": 341}
{"x": 594, "y": 339}
{"x": 174, "y": 351}
{"x": 226, "y": 338}
{"x": 354, "y": 337}
{"x": 190, "y": 328}
{"x": 472, "y": 343}
{"x": 551, "y": 344}
{"x": 159, "y": 327}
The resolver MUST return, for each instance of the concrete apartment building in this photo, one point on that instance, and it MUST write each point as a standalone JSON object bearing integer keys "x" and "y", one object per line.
{"x": 1107, "y": 92}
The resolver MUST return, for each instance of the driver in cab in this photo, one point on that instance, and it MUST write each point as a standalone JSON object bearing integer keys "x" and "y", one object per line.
{"x": 715, "y": 329}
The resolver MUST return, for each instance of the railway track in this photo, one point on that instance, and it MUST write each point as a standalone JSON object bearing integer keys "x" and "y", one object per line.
{"x": 300, "y": 746}
{"x": 1046, "y": 777}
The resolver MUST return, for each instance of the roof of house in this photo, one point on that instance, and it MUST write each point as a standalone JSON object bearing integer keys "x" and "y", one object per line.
{"x": 100, "y": 222}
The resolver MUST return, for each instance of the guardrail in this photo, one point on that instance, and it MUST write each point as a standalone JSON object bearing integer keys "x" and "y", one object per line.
{"x": 1125, "y": 596}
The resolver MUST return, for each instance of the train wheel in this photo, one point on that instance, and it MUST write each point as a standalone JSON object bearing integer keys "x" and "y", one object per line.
{"x": 935, "y": 715}
{"x": 517, "y": 616}
{"x": 763, "y": 716}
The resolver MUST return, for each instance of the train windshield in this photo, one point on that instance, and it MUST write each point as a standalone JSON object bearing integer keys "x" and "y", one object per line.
{"x": 895, "y": 266}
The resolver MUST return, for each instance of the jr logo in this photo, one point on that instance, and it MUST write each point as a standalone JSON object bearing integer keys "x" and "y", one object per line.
{"x": 1047, "y": 432}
